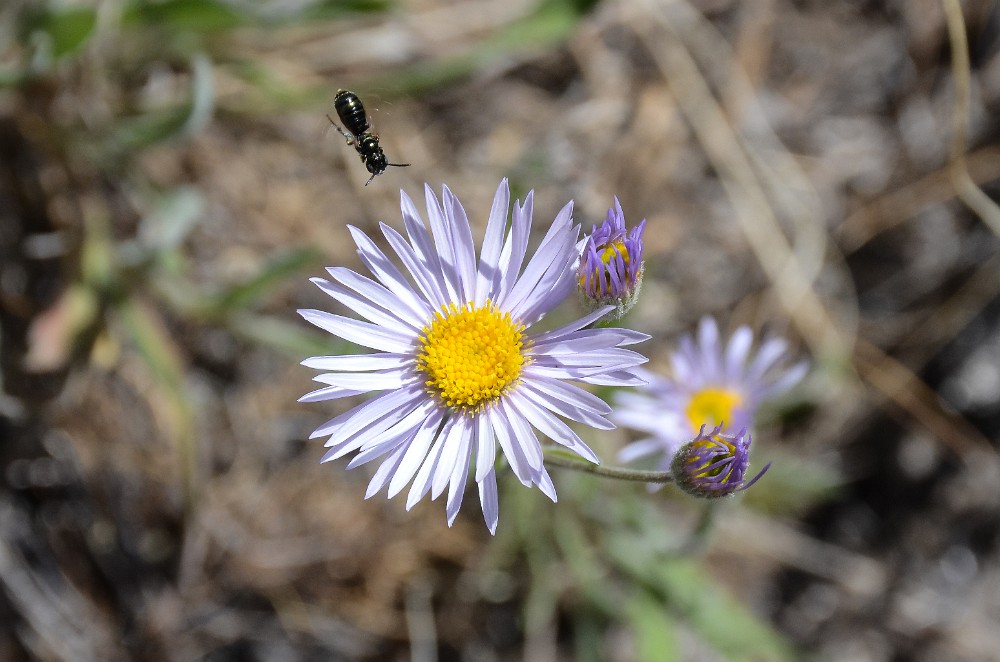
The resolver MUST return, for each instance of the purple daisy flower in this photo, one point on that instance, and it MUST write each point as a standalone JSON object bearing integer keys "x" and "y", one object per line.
{"x": 457, "y": 366}
{"x": 710, "y": 385}
{"x": 714, "y": 465}
{"x": 611, "y": 266}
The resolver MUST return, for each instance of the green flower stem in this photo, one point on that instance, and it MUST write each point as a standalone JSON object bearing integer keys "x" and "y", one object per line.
{"x": 555, "y": 457}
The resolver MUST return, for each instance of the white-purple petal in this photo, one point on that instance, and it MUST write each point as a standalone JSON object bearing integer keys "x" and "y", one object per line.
{"x": 353, "y": 420}
{"x": 444, "y": 246}
{"x": 454, "y": 443}
{"x": 381, "y": 267}
{"x": 767, "y": 356}
{"x": 736, "y": 353}
{"x": 488, "y": 275}
{"x": 401, "y": 433}
{"x": 422, "y": 483}
{"x": 329, "y": 393}
{"x": 486, "y": 450}
{"x": 565, "y": 409}
{"x": 524, "y": 436}
{"x": 382, "y": 338}
{"x": 456, "y": 486}
{"x": 464, "y": 247}
{"x": 430, "y": 285}
{"x": 385, "y": 472}
{"x": 576, "y": 325}
{"x": 787, "y": 380}
{"x": 369, "y": 381}
{"x": 358, "y": 362}
{"x": 544, "y": 482}
{"x": 512, "y": 254}
{"x": 363, "y": 306}
{"x": 488, "y": 500}
{"x": 620, "y": 378}
{"x": 647, "y": 447}
{"x": 508, "y": 443}
{"x": 413, "y": 310}
{"x": 416, "y": 455}
{"x": 552, "y": 427}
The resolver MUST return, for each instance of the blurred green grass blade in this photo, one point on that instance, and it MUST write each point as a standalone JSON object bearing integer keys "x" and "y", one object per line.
{"x": 158, "y": 350}
{"x": 792, "y": 485}
{"x": 588, "y": 637}
{"x": 589, "y": 574}
{"x": 249, "y": 293}
{"x": 706, "y": 607}
{"x": 67, "y": 28}
{"x": 292, "y": 339}
{"x": 551, "y": 23}
{"x": 173, "y": 217}
{"x": 653, "y": 627}
{"x": 202, "y": 96}
{"x": 692, "y": 594}
{"x": 134, "y": 133}
{"x": 153, "y": 343}
{"x": 335, "y": 9}
{"x": 183, "y": 15}
{"x": 272, "y": 93}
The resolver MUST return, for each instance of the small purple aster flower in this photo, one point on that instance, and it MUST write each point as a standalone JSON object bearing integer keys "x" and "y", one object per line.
{"x": 711, "y": 384}
{"x": 611, "y": 266}
{"x": 714, "y": 465}
{"x": 457, "y": 368}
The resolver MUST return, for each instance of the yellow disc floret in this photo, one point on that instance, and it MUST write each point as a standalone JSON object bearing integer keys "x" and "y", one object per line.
{"x": 712, "y": 406}
{"x": 471, "y": 356}
{"x": 609, "y": 253}
{"x": 613, "y": 250}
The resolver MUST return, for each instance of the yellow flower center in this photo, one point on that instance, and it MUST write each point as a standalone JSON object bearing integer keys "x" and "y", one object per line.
{"x": 471, "y": 355}
{"x": 712, "y": 406}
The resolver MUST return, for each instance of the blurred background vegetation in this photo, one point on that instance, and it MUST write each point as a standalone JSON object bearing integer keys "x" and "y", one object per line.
{"x": 169, "y": 181}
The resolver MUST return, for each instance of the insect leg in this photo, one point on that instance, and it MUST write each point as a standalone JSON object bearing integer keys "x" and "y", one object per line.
{"x": 348, "y": 135}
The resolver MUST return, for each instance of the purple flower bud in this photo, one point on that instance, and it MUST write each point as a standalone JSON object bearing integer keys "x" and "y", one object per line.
{"x": 714, "y": 465}
{"x": 610, "y": 270}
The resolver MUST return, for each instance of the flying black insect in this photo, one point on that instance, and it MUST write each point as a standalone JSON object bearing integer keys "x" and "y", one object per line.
{"x": 351, "y": 112}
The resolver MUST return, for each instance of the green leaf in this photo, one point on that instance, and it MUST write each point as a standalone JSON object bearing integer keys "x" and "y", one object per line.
{"x": 152, "y": 340}
{"x": 791, "y": 485}
{"x": 334, "y": 9}
{"x": 293, "y": 339}
{"x": 245, "y": 295}
{"x": 184, "y": 15}
{"x": 705, "y": 606}
{"x": 551, "y": 23}
{"x": 172, "y": 218}
{"x": 654, "y": 628}
{"x": 68, "y": 28}
{"x": 132, "y": 134}
{"x": 588, "y": 635}
{"x": 694, "y": 597}
{"x": 135, "y": 133}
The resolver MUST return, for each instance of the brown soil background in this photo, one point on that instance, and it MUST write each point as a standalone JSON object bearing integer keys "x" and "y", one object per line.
{"x": 164, "y": 503}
